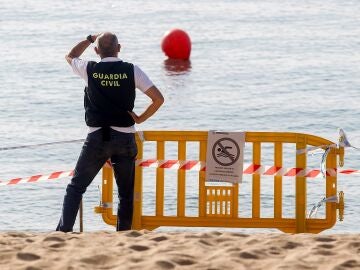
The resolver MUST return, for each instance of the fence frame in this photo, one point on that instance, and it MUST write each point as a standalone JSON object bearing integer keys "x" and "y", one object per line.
{"x": 229, "y": 219}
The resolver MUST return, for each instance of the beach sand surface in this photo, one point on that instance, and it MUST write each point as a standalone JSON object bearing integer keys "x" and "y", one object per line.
{"x": 177, "y": 250}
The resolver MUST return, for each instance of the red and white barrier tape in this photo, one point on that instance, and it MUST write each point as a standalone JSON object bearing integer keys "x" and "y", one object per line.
{"x": 188, "y": 165}
{"x": 38, "y": 178}
{"x": 193, "y": 165}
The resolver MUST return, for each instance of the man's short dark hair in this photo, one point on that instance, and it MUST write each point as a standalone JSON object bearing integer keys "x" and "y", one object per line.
{"x": 108, "y": 44}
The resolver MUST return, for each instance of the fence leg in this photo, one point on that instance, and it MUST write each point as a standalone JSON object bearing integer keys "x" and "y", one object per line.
{"x": 81, "y": 216}
{"x": 301, "y": 187}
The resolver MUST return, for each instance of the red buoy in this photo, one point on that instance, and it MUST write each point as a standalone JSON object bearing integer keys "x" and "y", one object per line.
{"x": 176, "y": 44}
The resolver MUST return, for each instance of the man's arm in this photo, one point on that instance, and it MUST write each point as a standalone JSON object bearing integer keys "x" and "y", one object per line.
{"x": 79, "y": 49}
{"x": 157, "y": 100}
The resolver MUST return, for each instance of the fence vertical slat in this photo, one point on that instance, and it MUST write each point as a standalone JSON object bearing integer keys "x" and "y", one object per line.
{"x": 256, "y": 181}
{"x": 181, "y": 191}
{"x": 300, "y": 213}
{"x": 278, "y": 157}
{"x": 160, "y": 176}
{"x": 202, "y": 191}
{"x": 138, "y": 190}
{"x": 331, "y": 187}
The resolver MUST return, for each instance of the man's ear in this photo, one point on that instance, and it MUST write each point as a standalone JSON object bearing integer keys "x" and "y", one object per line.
{"x": 118, "y": 48}
{"x": 96, "y": 50}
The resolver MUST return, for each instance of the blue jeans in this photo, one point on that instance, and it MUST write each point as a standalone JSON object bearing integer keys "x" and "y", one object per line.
{"x": 121, "y": 149}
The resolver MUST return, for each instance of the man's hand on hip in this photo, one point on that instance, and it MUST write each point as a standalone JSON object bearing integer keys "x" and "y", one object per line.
{"x": 157, "y": 100}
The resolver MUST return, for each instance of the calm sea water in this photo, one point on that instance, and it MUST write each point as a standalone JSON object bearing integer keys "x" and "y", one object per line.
{"x": 256, "y": 65}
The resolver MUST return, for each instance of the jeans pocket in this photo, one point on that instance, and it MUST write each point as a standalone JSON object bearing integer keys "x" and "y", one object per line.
{"x": 125, "y": 148}
{"x": 132, "y": 150}
{"x": 94, "y": 138}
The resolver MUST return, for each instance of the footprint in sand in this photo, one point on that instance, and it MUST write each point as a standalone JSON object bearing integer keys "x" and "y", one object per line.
{"x": 324, "y": 239}
{"x": 275, "y": 251}
{"x": 183, "y": 259}
{"x": 133, "y": 234}
{"x": 248, "y": 255}
{"x": 165, "y": 265}
{"x": 205, "y": 242}
{"x": 136, "y": 260}
{"x": 59, "y": 242}
{"x": 325, "y": 253}
{"x": 159, "y": 238}
{"x": 354, "y": 245}
{"x": 192, "y": 236}
{"x": 73, "y": 238}
{"x": 223, "y": 239}
{"x": 58, "y": 245}
{"x": 32, "y": 268}
{"x": 97, "y": 260}
{"x": 54, "y": 238}
{"x": 323, "y": 250}
{"x": 27, "y": 256}
{"x": 138, "y": 248}
{"x": 242, "y": 235}
{"x": 233, "y": 249}
{"x": 252, "y": 242}
{"x": 291, "y": 245}
{"x": 4, "y": 258}
{"x": 18, "y": 234}
{"x": 327, "y": 246}
{"x": 296, "y": 265}
{"x": 349, "y": 264}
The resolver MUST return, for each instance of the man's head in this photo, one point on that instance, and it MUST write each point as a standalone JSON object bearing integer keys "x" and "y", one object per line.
{"x": 107, "y": 45}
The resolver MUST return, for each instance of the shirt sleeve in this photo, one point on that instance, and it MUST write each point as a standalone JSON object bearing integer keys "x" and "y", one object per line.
{"x": 79, "y": 67}
{"x": 142, "y": 81}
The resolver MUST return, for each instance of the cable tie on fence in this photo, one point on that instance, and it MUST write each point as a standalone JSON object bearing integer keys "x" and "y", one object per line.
{"x": 344, "y": 141}
{"x": 39, "y": 145}
{"x": 106, "y": 205}
{"x": 323, "y": 162}
{"x": 316, "y": 206}
{"x": 313, "y": 148}
{"x": 140, "y": 133}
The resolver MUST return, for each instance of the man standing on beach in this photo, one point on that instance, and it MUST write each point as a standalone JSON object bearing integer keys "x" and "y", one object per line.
{"x": 109, "y": 102}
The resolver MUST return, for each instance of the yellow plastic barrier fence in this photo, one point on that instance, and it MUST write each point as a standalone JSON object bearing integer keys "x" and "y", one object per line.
{"x": 218, "y": 205}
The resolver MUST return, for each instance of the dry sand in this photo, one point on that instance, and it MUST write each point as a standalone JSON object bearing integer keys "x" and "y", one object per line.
{"x": 178, "y": 250}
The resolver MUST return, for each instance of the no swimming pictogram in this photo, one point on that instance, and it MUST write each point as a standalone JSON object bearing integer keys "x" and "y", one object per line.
{"x": 226, "y": 151}
{"x": 225, "y": 156}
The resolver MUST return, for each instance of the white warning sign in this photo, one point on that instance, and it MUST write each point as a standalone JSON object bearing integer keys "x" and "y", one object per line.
{"x": 225, "y": 156}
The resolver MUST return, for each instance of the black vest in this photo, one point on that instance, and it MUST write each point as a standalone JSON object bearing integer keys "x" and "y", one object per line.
{"x": 110, "y": 94}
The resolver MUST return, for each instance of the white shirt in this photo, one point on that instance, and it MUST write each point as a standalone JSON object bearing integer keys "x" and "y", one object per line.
{"x": 142, "y": 82}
